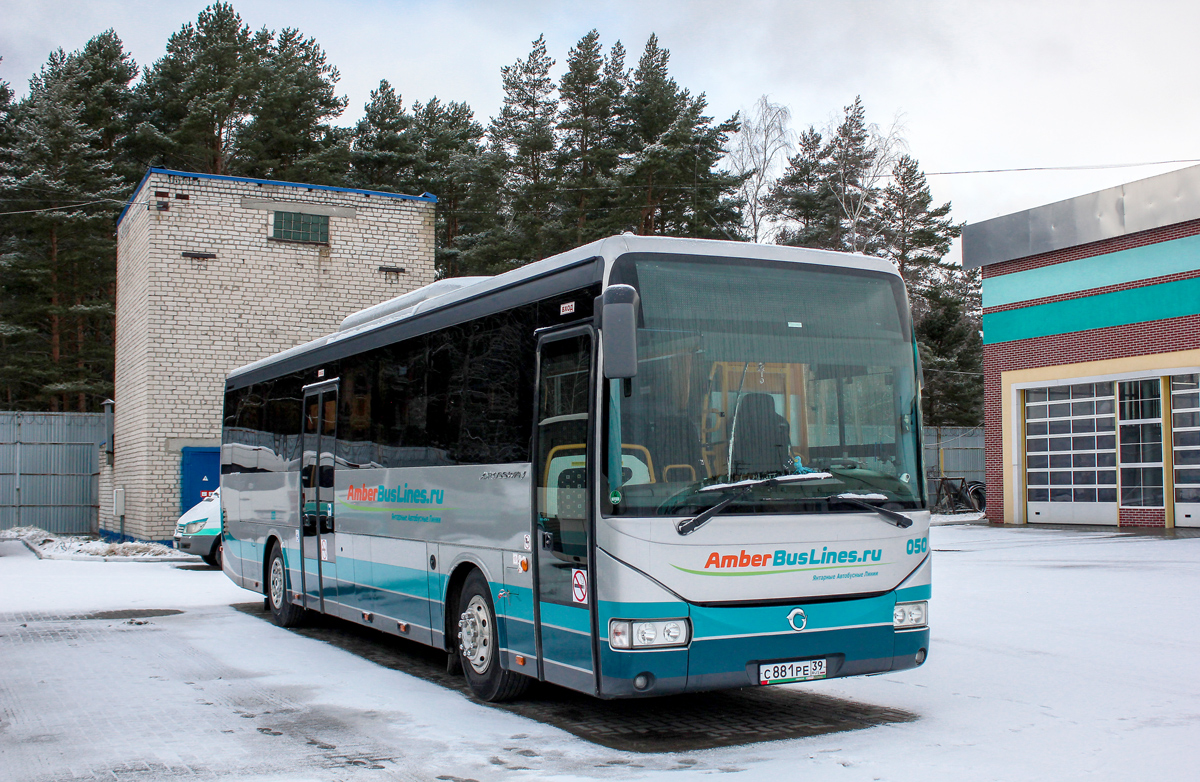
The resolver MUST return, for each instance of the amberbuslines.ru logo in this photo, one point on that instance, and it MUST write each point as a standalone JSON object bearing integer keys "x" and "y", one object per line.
{"x": 401, "y": 494}
{"x": 782, "y": 558}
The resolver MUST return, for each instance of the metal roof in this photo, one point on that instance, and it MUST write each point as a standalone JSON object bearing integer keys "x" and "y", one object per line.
{"x": 1153, "y": 202}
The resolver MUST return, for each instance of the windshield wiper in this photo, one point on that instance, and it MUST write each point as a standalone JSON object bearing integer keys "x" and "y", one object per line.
{"x": 891, "y": 516}
{"x": 688, "y": 526}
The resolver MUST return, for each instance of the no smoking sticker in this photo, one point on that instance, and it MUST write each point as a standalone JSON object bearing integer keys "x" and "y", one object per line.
{"x": 579, "y": 586}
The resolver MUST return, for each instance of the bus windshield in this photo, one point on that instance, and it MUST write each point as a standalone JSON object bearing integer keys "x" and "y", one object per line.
{"x": 757, "y": 369}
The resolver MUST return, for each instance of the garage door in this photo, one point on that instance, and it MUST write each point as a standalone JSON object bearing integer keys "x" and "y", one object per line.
{"x": 1185, "y": 417}
{"x": 1071, "y": 454}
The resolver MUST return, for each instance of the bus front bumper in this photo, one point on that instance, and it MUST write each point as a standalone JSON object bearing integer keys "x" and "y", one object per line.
{"x": 730, "y": 643}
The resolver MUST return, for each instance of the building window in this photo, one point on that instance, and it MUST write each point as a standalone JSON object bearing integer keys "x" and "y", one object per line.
{"x": 297, "y": 227}
{"x": 1141, "y": 444}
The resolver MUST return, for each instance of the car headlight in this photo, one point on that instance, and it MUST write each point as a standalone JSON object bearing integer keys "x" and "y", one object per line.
{"x": 658, "y": 634}
{"x": 193, "y": 527}
{"x": 909, "y": 615}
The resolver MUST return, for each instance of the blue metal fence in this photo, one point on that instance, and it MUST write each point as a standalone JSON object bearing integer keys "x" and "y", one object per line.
{"x": 49, "y": 470}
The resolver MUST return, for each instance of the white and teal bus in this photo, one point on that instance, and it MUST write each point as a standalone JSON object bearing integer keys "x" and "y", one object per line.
{"x": 641, "y": 467}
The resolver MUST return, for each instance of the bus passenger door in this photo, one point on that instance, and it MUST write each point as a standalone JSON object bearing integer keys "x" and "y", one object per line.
{"x": 562, "y": 510}
{"x": 319, "y": 573}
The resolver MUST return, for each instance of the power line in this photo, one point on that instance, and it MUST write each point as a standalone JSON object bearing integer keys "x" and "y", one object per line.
{"x": 1061, "y": 168}
{"x": 951, "y": 371}
{"x": 60, "y": 208}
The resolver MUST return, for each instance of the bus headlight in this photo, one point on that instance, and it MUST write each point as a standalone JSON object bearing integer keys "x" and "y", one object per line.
{"x": 909, "y": 615}
{"x": 194, "y": 527}
{"x": 658, "y": 634}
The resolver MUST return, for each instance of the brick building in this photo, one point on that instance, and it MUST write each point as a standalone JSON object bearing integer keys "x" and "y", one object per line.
{"x": 215, "y": 272}
{"x": 1091, "y": 330}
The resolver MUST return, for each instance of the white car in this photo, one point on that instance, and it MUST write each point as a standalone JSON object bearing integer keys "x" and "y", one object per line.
{"x": 199, "y": 530}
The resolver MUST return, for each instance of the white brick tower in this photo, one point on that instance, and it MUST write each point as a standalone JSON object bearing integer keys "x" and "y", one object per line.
{"x": 214, "y": 272}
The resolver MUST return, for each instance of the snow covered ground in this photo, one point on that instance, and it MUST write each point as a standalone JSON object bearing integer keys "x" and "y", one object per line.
{"x": 1056, "y": 654}
{"x": 51, "y": 546}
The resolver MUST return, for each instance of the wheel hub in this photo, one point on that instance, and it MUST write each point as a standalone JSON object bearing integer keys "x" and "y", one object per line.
{"x": 277, "y": 582}
{"x": 475, "y": 634}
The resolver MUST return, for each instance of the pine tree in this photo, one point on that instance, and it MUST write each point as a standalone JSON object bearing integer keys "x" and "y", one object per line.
{"x": 913, "y": 234}
{"x": 57, "y": 264}
{"x": 671, "y": 184}
{"x": 830, "y": 191}
{"x": 952, "y": 358}
{"x": 523, "y": 148}
{"x": 6, "y": 96}
{"x": 802, "y": 199}
{"x": 588, "y": 152}
{"x": 385, "y": 149}
{"x": 11, "y": 332}
{"x": 852, "y": 171}
{"x": 192, "y": 103}
{"x": 287, "y": 135}
{"x": 103, "y": 83}
{"x": 451, "y": 163}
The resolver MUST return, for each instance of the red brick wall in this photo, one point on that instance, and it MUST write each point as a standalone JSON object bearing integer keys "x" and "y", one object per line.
{"x": 1135, "y": 339}
{"x": 1092, "y": 249}
{"x": 1143, "y": 517}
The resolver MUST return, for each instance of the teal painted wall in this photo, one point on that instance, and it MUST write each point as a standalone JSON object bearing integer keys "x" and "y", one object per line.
{"x": 1136, "y": 263}
{"x": 1153, "y": 302}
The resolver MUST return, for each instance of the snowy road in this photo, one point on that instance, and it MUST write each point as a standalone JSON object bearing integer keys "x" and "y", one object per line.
{"x": 1055, "y": 655}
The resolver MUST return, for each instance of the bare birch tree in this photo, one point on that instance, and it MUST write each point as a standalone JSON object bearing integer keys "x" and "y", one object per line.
{"x": 859, "y": 158}
{"x": 762, "y": 148}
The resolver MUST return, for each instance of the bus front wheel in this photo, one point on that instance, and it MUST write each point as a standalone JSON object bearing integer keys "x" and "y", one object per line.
{"x": 285, "y": 612}
{"x": 479, "y": 645}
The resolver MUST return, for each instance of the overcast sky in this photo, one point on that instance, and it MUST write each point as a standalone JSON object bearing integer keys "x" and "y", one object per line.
{"x": 977, "y": 85}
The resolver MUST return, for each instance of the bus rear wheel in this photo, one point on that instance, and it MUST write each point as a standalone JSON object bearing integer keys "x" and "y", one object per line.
{"x": 283, "y": 610}
{"x": 479, "y": 645}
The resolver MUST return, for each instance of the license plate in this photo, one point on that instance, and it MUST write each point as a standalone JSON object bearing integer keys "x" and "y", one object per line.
{"x": 792, "y": 671}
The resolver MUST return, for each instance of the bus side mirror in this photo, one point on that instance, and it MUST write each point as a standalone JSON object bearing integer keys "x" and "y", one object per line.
{"x": 618, "y": 325}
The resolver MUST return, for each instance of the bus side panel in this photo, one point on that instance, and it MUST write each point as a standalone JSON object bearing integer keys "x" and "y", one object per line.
{"x": 450, "y": 514}
{"x": 519, "y": 638}
{"x": 265, "y": 506}
{"x": 232, "y": 485}
{"x": 391, "y": 582}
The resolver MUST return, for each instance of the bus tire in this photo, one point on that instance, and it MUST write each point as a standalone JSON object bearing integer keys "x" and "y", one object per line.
{"x": 283, "y": 610}
{"x": 479, "y": 645}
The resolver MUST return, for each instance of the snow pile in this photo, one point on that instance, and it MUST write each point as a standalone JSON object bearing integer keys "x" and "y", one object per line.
{"x": 51, "y": 546}
{"x": 957, "y": 518}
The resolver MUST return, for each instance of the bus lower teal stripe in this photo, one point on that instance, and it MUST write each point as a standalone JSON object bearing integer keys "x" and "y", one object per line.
{"x": 1119, "y": 308}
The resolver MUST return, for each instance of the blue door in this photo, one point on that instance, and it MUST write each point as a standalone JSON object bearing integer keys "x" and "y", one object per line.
{"x": 199, "y": 475}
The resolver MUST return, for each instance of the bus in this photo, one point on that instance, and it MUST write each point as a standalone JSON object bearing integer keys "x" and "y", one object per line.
{"x": 645, "y": 466}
